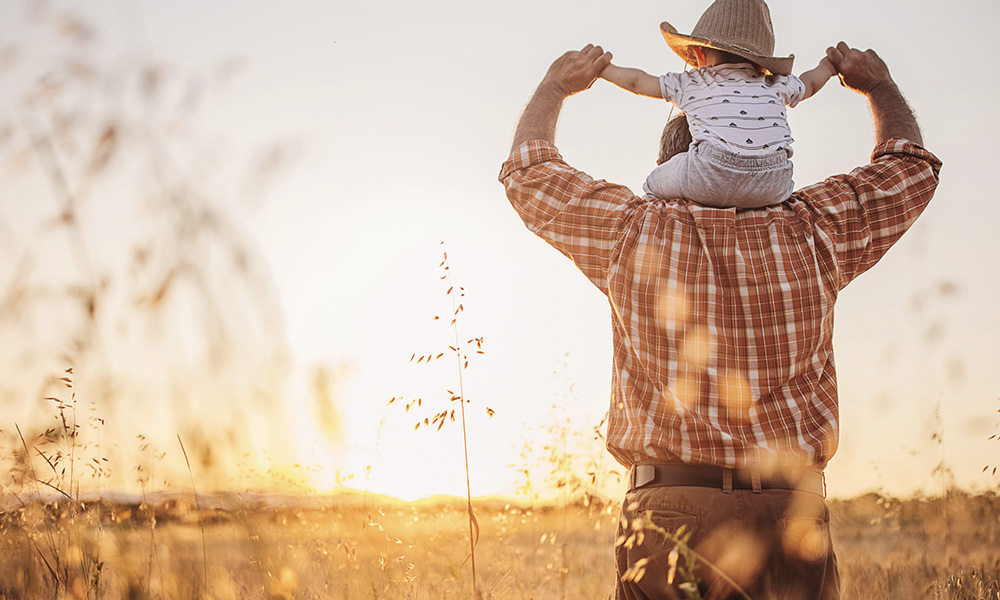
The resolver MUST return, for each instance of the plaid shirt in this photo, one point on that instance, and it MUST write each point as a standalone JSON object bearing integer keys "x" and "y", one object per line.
{"x": 722, "y": 319}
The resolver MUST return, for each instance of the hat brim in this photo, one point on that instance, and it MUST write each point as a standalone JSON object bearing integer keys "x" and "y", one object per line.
{"x": 683, "y": 45}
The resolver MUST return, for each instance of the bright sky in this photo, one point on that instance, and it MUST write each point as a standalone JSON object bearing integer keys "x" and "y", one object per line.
{"x": 400, "y": 115}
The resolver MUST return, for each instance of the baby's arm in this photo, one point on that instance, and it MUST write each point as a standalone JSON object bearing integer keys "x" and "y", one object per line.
{"x": 633, "y": 80}
{"x": 814, "y": 79}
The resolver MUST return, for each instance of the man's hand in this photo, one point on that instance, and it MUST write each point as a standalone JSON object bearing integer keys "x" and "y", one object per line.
{"x": 576, "y": 71}
{"x": 863, "y": 72}
{"x": 571, "y": 73}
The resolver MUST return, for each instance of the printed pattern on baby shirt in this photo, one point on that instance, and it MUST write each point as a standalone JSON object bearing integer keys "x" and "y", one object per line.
{"x": 735, "y": 106}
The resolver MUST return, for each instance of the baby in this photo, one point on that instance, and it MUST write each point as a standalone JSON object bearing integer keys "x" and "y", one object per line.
{"x": 735, "y": 105}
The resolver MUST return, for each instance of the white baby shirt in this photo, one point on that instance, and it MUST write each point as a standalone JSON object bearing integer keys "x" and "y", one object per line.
{"x": 735, "y": 106}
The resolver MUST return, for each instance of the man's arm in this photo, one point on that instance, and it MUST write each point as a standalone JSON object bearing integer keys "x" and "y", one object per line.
{"x": 868, "y": 210}
{"x": 579, "y": 216}
{"x": 865, "y": 73}
{"x": 814, "y": 79}
{"x": 572, "y": 72}
{"x": 632, "y": 80}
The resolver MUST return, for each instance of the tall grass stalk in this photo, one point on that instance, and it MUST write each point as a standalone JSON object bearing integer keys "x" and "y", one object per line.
{"x": 681, "y": 558}
{"x": 462, "y": 363}
{"x": 442, "y": 417}
{"x": 53, "y": 571}
{"x": 197, "y": 507}
{"x": 61, "y": 551}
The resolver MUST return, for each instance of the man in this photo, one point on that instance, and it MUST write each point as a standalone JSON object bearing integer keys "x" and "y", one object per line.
{"x": 724, "y": 402}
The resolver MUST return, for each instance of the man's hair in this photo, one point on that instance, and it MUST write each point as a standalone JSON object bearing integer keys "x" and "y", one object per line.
{"x": 675, "y": 139}
{"x": 729, "y": 57}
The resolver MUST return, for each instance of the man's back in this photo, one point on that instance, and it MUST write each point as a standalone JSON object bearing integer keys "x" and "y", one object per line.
{"x": 723, "y": 319}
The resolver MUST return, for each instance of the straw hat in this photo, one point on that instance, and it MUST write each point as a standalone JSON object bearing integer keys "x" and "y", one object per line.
{"x": 741, "y": 27}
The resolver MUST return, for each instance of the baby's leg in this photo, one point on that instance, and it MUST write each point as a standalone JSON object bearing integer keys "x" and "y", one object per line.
{"x": 666, "y": 181}
{"x": 716, "y": 178}
{"x": 695, "y": 176}
{"x": 721, "y": 179}
{"x": 765, "y": 188}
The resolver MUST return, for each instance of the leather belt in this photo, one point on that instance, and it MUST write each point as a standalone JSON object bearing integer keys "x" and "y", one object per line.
{"x": 812, "y": 481}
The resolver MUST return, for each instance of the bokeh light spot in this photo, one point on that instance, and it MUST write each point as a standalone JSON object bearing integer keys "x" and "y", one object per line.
{"x": 672, "y": 310}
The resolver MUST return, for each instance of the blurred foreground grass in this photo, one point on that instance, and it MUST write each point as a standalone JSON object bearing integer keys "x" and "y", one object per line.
{"x": 366, "y": 546}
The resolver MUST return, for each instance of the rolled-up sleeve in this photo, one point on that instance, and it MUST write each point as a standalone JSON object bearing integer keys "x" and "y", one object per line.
{"x": 578, "y": 215}
{"x": 868, "y": 210}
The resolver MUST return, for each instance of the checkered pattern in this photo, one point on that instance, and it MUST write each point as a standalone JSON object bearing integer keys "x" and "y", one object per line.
{"x": 723, "y": 319}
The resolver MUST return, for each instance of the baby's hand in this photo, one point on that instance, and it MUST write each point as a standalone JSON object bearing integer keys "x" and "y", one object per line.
{"x": 827, "y": 64}
{"x": 636, "y": 81}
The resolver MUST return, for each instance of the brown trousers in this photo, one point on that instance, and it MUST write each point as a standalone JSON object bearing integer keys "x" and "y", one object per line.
{"x": 773, "y": 544}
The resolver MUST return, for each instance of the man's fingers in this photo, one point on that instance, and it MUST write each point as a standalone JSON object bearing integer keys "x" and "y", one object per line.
{"x": 602, "y": 62}
{"x": 842, "y": 52}
{"x": 860, "y": 70}
{"x": 593, "y": 52}
{"x": 577, "y": 70}
{"x": 597, "y": 56}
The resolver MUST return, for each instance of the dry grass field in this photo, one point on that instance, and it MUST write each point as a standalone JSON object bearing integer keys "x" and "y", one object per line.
{"x": 365, "y": 546}
{"x": 122, "y": 138}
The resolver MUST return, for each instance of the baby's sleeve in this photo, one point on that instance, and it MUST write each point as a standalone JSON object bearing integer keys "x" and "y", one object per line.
{"x": 670, "y": 87}
{"x": 795, "y": 91}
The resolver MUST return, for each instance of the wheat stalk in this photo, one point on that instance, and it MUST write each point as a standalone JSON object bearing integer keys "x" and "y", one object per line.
{"x": 440, "y": 418}
{"x": 462, "y": 364}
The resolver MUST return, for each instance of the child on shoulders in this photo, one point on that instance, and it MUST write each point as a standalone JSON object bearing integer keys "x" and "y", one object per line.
{"x": 735, "y": 103}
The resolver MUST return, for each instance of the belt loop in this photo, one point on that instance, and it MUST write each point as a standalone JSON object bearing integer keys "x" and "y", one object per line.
{"x": 755, "y": 480}
{"x": 727, "y": 481}
{"x": 642, "y": 475}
